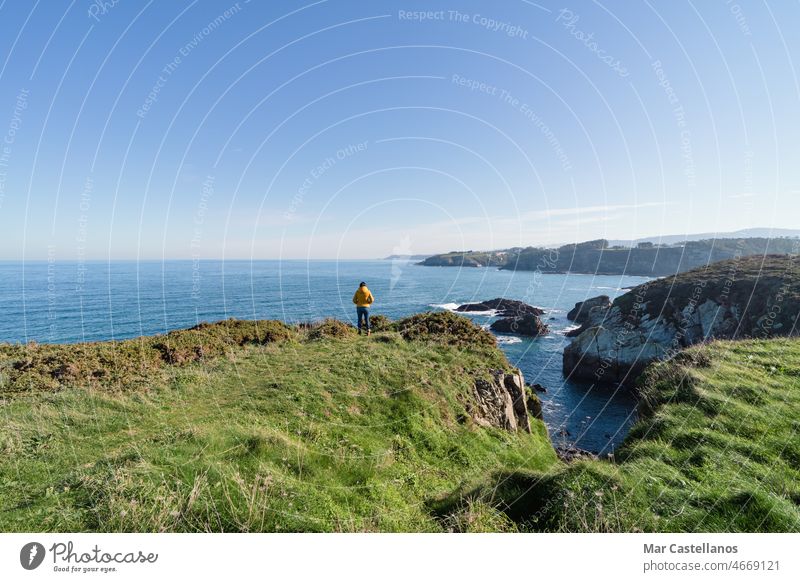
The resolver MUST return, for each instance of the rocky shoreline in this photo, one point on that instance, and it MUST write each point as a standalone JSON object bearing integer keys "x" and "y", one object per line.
{"x": 752, "y": 297}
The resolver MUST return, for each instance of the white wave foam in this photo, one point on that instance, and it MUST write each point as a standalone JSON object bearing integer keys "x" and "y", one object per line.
{"x": 454, "y": 306}
{"x": 487, "y": 313}
{"x": 508, "y": 339}
{"x": 447, "y": 306}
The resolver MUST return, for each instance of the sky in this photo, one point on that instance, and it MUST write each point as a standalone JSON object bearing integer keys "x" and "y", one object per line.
{"x": 345, "y": 129}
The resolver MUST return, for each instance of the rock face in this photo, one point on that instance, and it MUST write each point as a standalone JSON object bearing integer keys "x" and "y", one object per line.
{"x": 580, "y": 313}
{"x": 504, "y": 307}
{"x": 501, "y": 402}
{"x": 528, "y": 324}
{"x": 753, "y": 297}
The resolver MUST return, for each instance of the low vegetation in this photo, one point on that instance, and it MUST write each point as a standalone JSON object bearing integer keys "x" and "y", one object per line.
{"x": 258, "y": 426}
{"x": 717, "y": 449}
{"x": 128, "y": 364}
{"x": 444, "y": 327}
{"x": 311, "y": 428}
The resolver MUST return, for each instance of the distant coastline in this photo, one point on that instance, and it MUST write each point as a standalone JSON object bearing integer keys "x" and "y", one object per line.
{"x": 601, "y": 257}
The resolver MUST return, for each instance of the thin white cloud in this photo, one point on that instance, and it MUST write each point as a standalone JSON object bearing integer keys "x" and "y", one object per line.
{"x": 578, "y": 210}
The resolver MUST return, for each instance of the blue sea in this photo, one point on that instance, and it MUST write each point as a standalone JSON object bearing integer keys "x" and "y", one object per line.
{"x": 68, "y": 302}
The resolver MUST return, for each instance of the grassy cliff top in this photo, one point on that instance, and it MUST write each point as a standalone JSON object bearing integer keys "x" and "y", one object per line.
{"x": 314, "y": 428}
{"x": 754, "y": 283}
{"x": 253, "y": 426}
{"x": 717, "y": 450}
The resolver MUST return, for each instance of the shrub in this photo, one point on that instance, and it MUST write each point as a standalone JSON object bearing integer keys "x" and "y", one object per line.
{"x": 209, "y": 340}
{"x": 380, "y": 323}
{"x": 240, "y": 332}
{"x": 444, "y": 327}
{"x": 115, "y": 364}
{"x": 331, "y": 328}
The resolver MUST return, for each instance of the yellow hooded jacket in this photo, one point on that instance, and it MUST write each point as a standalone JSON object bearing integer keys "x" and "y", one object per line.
{"x": 363, "y": 297}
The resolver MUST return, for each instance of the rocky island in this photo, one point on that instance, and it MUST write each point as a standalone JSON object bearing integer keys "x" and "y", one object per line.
{"x": 516, "y": 317}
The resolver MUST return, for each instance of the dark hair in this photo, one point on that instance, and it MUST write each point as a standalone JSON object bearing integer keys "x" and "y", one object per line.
{"x": 362, "y": 284}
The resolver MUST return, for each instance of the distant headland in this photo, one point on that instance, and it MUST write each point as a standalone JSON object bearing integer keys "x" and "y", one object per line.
{"x": 602, "y": 257}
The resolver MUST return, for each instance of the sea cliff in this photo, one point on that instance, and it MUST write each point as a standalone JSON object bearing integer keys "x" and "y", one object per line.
{"x": 750, "y": 297}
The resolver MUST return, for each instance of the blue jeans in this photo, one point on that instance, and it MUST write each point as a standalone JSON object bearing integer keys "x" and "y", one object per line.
{"x": 363, "y": 313}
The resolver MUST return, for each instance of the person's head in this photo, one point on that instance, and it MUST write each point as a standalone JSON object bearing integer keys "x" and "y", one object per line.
{"x": 362, "y": 284}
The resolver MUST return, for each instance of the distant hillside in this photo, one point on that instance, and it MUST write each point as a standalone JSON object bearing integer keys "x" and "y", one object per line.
{"x": 600, "y": 257}
{"x": 679, "y": 238}
{"x": 468, "y": 259}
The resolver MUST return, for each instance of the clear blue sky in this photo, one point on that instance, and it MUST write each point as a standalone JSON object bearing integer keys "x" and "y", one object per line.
{"x": 358, "y": 129}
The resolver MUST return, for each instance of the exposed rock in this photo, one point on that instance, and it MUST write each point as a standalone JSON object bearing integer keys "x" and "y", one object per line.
{"x": 739, "y": 298}
{"x": 538, "y": 388}
{"x": 570, "y": 454}
{"x": 528, "y": 324}
{"x": 504, "y": 307}
{"x": 515, "y": 386}
{"x": 580, "y": 313}
{"x": 501, "y": 402}
{"x": 534, "y": 404}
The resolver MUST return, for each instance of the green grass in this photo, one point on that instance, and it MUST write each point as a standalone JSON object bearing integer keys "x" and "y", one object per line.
{"x": 308, "y": 431}
{"x": 718, "y": 449}
{"x": 260, "y": 427}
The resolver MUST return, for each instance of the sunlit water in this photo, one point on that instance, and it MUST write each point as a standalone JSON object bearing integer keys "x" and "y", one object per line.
{"x": 76, "y": 302}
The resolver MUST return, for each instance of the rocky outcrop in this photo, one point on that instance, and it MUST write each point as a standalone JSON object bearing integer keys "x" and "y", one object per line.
{"x": 501, "y": 401}
{"x": 503, "y": 307}
{"x": 570, "y": 454}
{"x": 616, "y": 350}
{"x": 516, "y": 317}
{"x": 753, "y": 297}
{"x": 591, "y": 317}
{"x": 580, "y": 313}
{"x": 529, "y": 325}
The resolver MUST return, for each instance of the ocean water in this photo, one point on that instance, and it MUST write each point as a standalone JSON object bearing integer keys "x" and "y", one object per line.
{"x": 70, "y": 302}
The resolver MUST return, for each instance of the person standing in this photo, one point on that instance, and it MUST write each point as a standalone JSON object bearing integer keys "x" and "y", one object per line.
{"x": 363, "y": 299}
